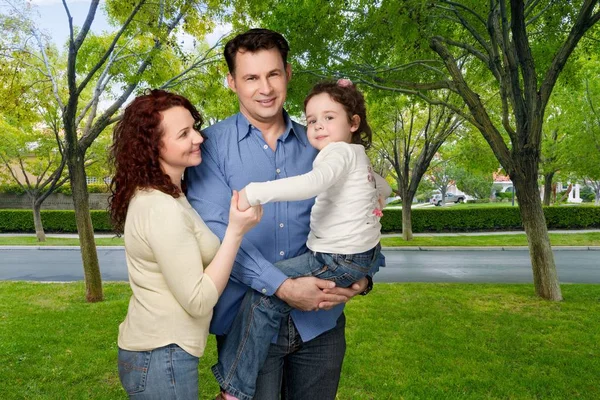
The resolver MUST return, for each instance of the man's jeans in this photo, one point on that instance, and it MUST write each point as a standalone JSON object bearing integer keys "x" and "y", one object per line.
{"x": 243, "y": 351}
{"x": 165, "y": 373}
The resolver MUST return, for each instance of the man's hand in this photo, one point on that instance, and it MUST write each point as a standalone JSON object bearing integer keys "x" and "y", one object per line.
{"x": 349, "y": 292}
{"x": 307, "y": 293}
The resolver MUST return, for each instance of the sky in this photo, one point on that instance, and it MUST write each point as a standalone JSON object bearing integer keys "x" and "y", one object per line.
{"x": 52, "y": 20}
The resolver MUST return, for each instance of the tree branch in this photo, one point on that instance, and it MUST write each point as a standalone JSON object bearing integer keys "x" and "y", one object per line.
{"x": 102, "y": 122}
{"x": 196, "y": 64}
{"x": 583, "y": 22}
{"x": 49, "y": 74}
{"x": 478, "y": 111}
{"x": 538, "y": 15}
{"x": 467, "y": 9}
{"x": 524, "y": 56}
{"x": 110, "y": 49}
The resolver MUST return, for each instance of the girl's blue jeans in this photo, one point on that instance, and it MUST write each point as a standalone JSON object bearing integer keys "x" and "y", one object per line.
{"x": 243, "y": 351}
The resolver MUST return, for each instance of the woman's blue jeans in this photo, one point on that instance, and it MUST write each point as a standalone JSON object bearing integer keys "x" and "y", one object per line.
{"x": 165, "y": 373}
{"x": 243, "y": 351}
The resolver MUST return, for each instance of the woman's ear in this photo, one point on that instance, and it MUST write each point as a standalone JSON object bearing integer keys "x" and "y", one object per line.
{"x": 354, "y": 123}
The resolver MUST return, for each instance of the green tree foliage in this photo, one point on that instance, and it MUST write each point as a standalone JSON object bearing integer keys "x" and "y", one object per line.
{"x": 102, "y": 71}
{"x": 582, "y": 147}
{"x": 498, "y": 52}
{"x": 408, "y": 134}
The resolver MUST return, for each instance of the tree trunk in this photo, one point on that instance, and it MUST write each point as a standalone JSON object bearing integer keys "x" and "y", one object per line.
{"x": 407, "y": 233}
{"x": 548, "y": 187}
{"x": 37, "y": 221}
{"x": 545, "y": 278}
{"x": 91, "y": 267}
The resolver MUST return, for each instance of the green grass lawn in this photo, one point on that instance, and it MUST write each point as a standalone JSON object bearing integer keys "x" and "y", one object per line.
{"x": 405, "y": 341}
{"x": 55, "y": 241}
{"x": 557, "y": 239}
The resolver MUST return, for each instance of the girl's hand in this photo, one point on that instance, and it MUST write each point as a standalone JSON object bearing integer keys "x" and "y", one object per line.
{"x": 240, "y": 222}
{"x": 243, "y": 203}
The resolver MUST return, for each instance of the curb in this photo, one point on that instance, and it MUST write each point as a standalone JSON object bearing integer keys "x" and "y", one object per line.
{"x": 486, "y": 248}
{"x": 399, "y": 248}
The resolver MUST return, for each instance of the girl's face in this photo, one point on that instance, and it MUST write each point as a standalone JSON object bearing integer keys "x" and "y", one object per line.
{"x": 327, "y": 122}
{"x": 180, "y": 141}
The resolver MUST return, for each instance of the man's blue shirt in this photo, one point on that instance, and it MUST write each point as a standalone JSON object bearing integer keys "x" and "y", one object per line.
{"x": 233, "y": 155}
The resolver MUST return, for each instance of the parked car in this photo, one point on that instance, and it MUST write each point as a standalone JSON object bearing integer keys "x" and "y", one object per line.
{"x": 450, "y": 198}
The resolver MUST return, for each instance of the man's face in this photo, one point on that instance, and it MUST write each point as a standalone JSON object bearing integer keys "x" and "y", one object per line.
{"x": 260, "y": 81}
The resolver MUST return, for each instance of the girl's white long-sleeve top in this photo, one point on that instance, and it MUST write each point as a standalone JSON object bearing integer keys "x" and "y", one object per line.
{"x": 343, "y": 219}
{"x": 166, "y": 246}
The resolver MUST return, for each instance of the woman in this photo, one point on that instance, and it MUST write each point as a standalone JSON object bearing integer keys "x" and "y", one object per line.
{"x": 177, "y": 270}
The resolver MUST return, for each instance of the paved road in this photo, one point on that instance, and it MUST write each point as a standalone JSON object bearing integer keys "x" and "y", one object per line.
{"x": 56, "y": 264}
{"x": 512, "y": 266}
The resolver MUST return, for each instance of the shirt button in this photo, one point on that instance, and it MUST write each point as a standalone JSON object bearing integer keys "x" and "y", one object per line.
{"x": 265, "y": 147}
{"x": 278, "y": 170}
{"x": 281, "y": 225}
{"x": 264, "y": 290}
{"x": 281, "y": 253}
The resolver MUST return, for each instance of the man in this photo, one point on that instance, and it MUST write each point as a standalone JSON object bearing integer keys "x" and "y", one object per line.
{"x": 258, "y": 144}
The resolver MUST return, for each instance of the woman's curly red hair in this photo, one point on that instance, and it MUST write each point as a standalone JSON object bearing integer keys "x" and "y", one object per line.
{"x": 135, "y": 150}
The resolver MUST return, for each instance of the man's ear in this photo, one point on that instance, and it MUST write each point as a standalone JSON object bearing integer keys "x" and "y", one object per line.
{"x": 231, "y": 82}
{"x": 354, "y": 123}
{"x": 288, "y": 71}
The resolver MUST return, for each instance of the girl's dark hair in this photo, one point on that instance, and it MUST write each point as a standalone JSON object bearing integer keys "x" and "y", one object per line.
{"x": 345, "y": 93}
{"x": 134, "y": 154}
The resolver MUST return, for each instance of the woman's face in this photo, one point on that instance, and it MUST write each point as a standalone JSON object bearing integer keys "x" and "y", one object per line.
{"x": 180, "y": 141}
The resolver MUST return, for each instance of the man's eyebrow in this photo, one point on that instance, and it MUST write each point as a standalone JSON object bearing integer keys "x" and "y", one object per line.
{"x": 279, "y": 70}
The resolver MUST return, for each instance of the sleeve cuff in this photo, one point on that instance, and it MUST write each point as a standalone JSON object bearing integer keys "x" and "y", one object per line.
{"x": 252, "y": 199}
{"x": 269, "y": 280}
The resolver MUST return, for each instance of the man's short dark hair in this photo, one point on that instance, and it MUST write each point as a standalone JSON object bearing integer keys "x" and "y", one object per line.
{"x": 253, "y": 41}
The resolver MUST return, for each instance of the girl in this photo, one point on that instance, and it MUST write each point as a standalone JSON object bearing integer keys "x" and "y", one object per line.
{"x": 176, "y": 268}
{"x": 345, "y": 228}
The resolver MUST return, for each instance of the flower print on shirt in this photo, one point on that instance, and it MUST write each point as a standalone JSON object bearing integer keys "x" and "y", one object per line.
{"x": 371, "y": 178}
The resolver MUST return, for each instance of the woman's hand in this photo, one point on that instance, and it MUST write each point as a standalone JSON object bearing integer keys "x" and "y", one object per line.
{"x": 241, "y": 222}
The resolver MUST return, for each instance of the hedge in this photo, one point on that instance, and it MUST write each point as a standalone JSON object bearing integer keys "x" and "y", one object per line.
{"x": 13, "y": 188}
{"x": 53, "y": 221}
{"x": 488, "y": 219}
{"x": 436, "y": 219}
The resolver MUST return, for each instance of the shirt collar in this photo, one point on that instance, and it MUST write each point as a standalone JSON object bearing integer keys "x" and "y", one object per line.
{"x": 244, "y": 127}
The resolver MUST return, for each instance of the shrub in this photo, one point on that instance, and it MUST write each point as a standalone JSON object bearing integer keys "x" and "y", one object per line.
{"x": 98, "y": 188}
{"x": 587, "y": 194}
{"x": 488, "y": 219}
{"x": 423, "y": 220}
{"x": 478, "y": 201}
{"x": 53, "y": 221}
{"x": 11, "y": 188}
{"x": 397, "y": 202}
{"x": 500, "y": 196}
{"x": 65, "y": 189}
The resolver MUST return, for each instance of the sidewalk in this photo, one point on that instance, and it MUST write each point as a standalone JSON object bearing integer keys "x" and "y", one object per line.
{"x": 109, "y": 235}
{"x": 485, "y": 233}
{"x": 397, "y": 248}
